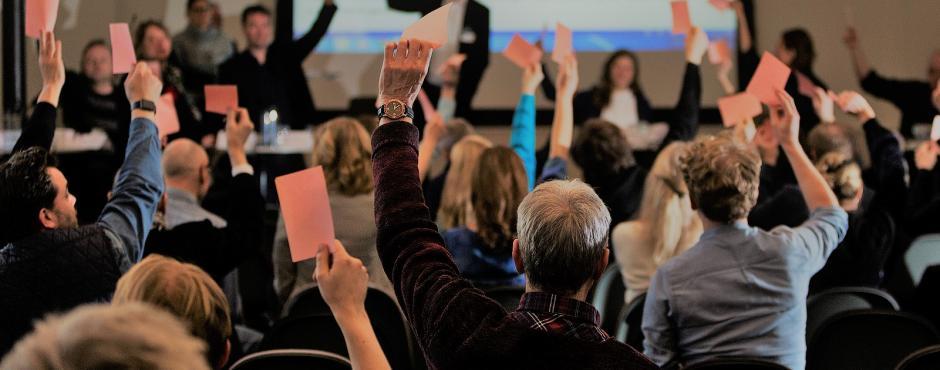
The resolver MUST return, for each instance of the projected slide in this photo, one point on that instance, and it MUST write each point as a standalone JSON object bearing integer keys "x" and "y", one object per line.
{"x": 363, "y": 26}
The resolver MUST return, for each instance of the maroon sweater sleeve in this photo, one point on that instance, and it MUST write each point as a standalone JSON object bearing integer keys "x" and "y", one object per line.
{"x": 444, "y": 309}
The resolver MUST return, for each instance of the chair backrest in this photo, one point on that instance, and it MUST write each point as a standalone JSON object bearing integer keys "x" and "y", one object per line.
{"x": 923, "y": 252}
{"x": 736, "y": 363}
{"x": 290, "y": 359}
{"x": 507, "y": 296}
{"x": 868, "y": 339}
{"x": 608, "y": 297}
{"x": 629, "y": 329}
{"x": 824, "y": 305}
{"x": 923, "y": 359}
{"x": 309, "y": 324}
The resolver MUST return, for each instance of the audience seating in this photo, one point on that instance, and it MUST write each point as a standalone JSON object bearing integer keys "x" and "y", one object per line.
{"x": 824, "y": 305}
{"x": 924, "y": 359}
{"x": 507, "y": 296}
{"x": 736, "y": 364}
{"x": 608, "y": 297}
{"x": 309, "y": 324}
{"x": 868, "y": 339}
{"x": 923, "y": 253}
{"x": 629, "y": 324}
{"x": 290, "y": 359}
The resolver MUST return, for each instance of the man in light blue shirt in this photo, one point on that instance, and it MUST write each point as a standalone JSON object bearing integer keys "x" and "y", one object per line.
{"x": 741, "y": 291}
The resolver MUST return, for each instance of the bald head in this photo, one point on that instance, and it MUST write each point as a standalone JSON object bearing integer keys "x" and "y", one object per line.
{"x": 186, "y": 166}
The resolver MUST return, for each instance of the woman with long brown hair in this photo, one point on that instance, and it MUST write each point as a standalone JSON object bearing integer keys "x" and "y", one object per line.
{"x": 482, "y": 247}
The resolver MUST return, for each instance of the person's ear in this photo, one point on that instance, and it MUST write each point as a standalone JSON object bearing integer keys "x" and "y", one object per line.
{"x": 48, "y": 219}
{"x": 602, "y": 264}
{"x": 517, "y": 256}
{"x": 225, "y": 355}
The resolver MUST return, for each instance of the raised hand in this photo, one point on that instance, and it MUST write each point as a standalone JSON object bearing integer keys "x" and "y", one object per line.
{"x": 785, "y": 120}
{"x": 925, "y": 157}
{"x": 51, "y": 68}
{"x": 824, "y": 104}
{"x": 532, "y": 77}
{"x": 238, "y": 127}
{"x": 343, "y": 279}
{"x": 567, "y": 81}
{"x": 696, "y": 44}
{"x": 403, "y": 71}
{"x": 854, "y": 103}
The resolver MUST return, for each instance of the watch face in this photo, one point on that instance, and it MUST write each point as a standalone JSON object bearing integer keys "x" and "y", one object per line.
{"x": 395, "y": 109}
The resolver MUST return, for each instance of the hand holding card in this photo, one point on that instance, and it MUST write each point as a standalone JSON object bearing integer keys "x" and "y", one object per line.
{"x": 431, "y": 28}
{"x": 771, "y": 75}
{"x": 521, "y": 52}
{"x": 305, "y": 206}
{"x": 123, "y": 57}
{"x": 40, "y": 16}
{"x": 564, "y": 44}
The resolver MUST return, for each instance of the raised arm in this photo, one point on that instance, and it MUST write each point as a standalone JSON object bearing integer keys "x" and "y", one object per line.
{"x": 426, "y": 280}
{"x": 859, "y": 61}
{"x": 745, "y": 40}
{"x": 563, "y": 124}
{"x": 786, "y": 125}
{"x": 309, "y": 41}
{"x": 522, "y": 138}
{"x": 40, "y": 128}
{"x": 684, "y": 122}
{"x": 129, "y": 213}
{"x": 343, "y": 284}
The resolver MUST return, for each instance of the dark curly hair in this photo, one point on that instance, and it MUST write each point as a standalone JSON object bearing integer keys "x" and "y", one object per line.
{"x": 601, "y": 150}
{"x": 25, "y": 189}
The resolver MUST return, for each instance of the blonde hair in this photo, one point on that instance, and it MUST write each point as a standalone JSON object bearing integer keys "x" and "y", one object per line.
{"x": 842, "y": 174}
{"x": 343, "y": 147}
{"x": 723, "y": 176}
{"x": 98, "y": 336}
{"x": 456, "y": 203}
{"x": 662, "y": 205}
{"x": 185, "y": 290}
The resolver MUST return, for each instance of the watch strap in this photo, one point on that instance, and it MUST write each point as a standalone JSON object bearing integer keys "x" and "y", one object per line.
{"x": 146, "y": 105}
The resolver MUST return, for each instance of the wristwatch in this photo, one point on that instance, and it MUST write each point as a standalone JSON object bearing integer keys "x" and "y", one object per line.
{"x": 146, "y": 105}
{"x": 395, "y": 110}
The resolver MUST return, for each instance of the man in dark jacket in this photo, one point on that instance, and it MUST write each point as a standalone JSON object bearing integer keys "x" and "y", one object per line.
{"x": 562, "y": 249}
{"x": 48, "y": 263}
{"x": 270, "y": 74}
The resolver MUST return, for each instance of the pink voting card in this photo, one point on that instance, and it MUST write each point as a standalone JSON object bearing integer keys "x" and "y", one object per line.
{"x": 564, "y": 44}
{"x": 681, "y": 23}
{"x": 122, "y": 49}
{"x": 431, "y": 28}
{"x": 935, "y": 130}
{"x": 305, "y": 206}
{"x": 771, "y": 74}
{"x": 718, "y": 52}
{"x": 721, "y": 4}
{"x": 40, "y": 16}
{"x": 737, "y": 108}
{"x": 805, "y": 86}
{"x": 168, "y": 123}
{"x": 221, "y": 98}
{"x": 521, "y": 52}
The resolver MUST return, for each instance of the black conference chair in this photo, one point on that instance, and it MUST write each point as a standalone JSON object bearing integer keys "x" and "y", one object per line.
{"x": 736, "y": 364}
{"x": 308, "y": 323}
{"x": 507, "y": 296}
{"x": 868, "y": 339}
{"x": 629, "y": 329}
{"x": 291, "y": 359}
{"x": 824, "y": 305}
{"x": 924, "y": 359}
{"x": 608, "y": 297}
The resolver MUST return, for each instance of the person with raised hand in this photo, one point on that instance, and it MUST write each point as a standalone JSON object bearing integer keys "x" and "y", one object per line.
{"x": 562, "y": 249}
{"x": 559, "y": 144}
{"x": 343, "y": 281}
{"x": 48, "y": 263}
{"x": 735, "y": 267}
{"x": 913, "y": 97}
{"x": 522, "y": 137}
{"x": 40, "y": 128}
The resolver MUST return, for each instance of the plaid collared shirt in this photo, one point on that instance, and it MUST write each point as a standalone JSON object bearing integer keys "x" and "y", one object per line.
{"x": 555, "y": 314}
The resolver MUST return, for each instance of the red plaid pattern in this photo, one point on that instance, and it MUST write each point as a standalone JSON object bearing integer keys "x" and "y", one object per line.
{"x": 556, "y": 314}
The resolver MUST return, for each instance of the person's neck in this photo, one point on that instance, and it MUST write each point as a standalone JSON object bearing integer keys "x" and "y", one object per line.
{"x": 103, "y": 87}
{"x": 580, "y": 295}
{"x": 259, "y": 52}
{"x": 708, "y": 224}
{"x": 188, "y": 187}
